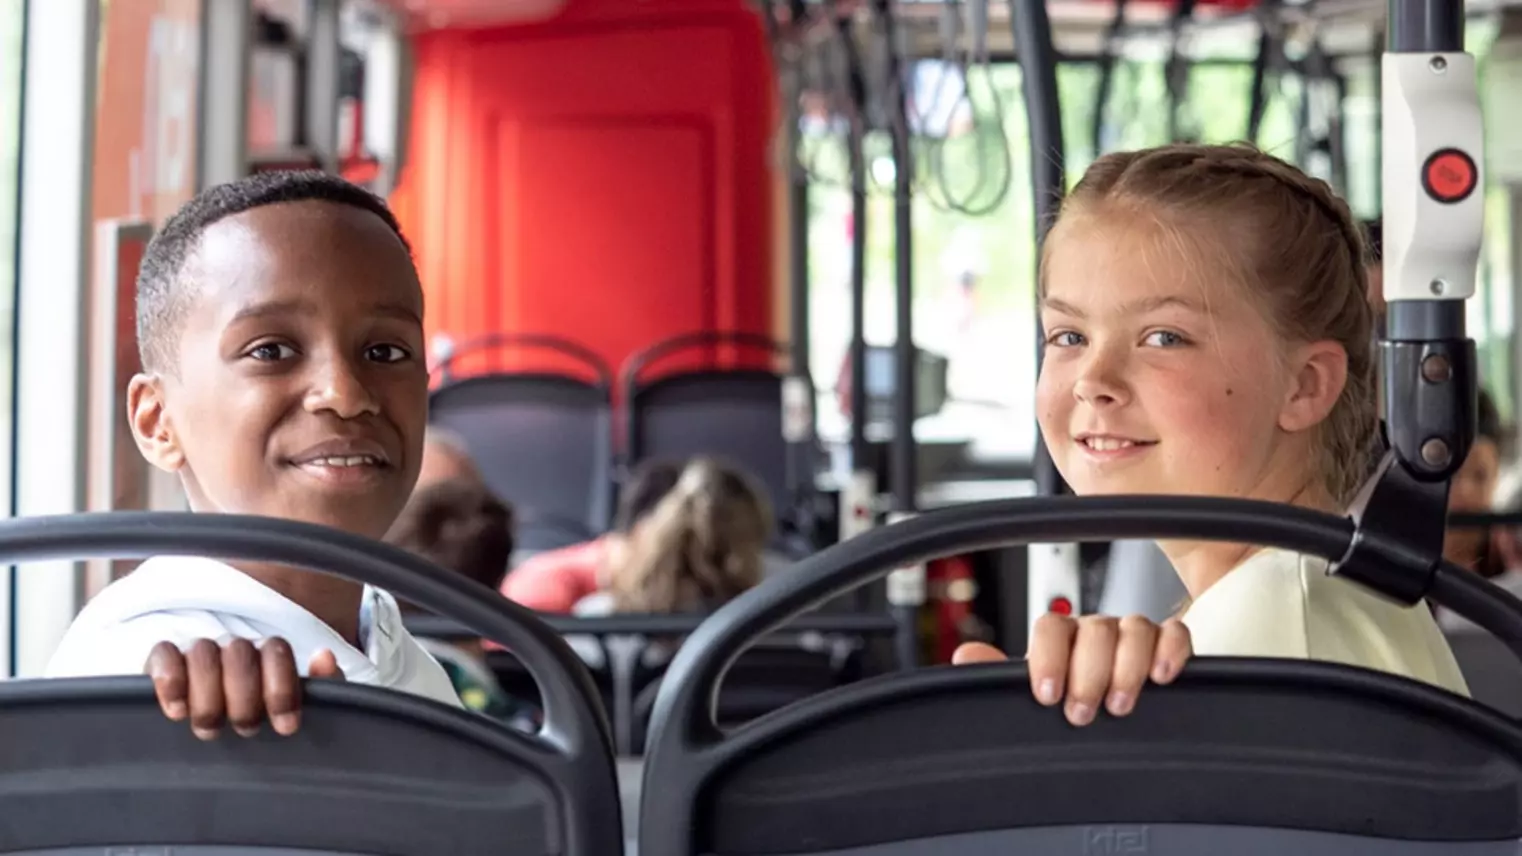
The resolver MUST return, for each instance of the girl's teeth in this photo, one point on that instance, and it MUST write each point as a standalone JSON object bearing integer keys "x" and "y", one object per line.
{"x": 1106, "y": 444}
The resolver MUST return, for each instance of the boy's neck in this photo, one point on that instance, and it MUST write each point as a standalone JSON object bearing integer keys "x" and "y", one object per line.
{"x": 334, "y": 600}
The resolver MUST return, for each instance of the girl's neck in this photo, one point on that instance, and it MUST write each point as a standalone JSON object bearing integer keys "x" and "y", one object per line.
{"x": 1202, "y": 564}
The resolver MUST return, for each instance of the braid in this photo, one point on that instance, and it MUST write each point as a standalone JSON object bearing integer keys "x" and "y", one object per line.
{"x": 1246, "y": 161}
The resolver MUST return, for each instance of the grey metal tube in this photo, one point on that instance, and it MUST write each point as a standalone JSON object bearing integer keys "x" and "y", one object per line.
{"x": 857, "y": 87}
{"x": 1426, "y": 26}
{"x": 1032, "y": 31}
{"x": 903, "y": 464}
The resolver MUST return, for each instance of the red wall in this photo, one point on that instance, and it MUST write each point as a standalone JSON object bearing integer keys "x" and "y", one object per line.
{"x": 605, "y": 175}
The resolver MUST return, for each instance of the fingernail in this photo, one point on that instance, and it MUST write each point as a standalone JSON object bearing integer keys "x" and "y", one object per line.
{"x": 285, "y": 723}
{"x": 207, "y": 734}
{"x": 1080, "y": 714}
{"x": 1162, "y": 671}
{"x": 247, "y": 730}
{"x": 175, "y": 710}
{"x": 1046, "y": 693}
{"x": 1119, "y": 703}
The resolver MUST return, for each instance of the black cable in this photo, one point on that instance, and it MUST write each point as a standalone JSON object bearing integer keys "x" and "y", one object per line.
{"x": 1176, "y": 72}
{"x": 1106, "y": 62}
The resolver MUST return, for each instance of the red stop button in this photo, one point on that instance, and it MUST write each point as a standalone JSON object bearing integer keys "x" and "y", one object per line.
{"x": 1449, "y": 175}
{"x": 1061, "y": 606}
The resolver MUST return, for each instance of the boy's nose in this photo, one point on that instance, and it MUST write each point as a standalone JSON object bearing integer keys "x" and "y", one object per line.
{"x": 340, "y": 390}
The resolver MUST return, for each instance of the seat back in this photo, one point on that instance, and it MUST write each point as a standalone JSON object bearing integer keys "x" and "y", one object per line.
{"x": 542, "y": 441}
{"x": 1237, "y": 756}
{"x": 736, "y": 415}
{"x": 94, "y": 764}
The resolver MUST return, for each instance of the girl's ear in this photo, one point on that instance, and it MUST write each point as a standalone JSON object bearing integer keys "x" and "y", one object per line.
{"x": 1320, "y": 372}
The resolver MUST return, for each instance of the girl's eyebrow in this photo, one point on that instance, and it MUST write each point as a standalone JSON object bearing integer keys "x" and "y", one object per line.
{"x": 1135, "y": 307}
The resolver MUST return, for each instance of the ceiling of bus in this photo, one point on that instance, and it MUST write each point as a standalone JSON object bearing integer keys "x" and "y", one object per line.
{"x": 1079, "y": 26}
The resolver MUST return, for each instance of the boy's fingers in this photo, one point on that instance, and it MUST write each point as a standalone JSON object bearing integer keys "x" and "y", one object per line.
{"x": 208, "y": 700}
{"x": 282, "y": 686}
{"x": 243, "y": 686}
{"x": 325, "y": 665}
{"x": 166, "y": 666}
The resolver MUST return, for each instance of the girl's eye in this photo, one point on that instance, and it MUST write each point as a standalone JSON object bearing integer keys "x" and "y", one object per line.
{"x": 271, "y": 352}
{"x": 1065, "y": 339}
{"x": 1164, "y": 339}
{"x": 387, "y": 353}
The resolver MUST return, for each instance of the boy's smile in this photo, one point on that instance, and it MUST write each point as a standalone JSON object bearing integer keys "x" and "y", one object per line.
{"x": 300, "y": 389}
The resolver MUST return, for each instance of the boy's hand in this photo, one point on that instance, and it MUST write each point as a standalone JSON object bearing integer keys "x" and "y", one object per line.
{"x": 234, "y": 683}
{"x": 1095, "y": 659}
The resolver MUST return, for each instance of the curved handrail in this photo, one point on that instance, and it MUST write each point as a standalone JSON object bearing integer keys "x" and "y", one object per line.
{"x": 629, "y": 372}
{"x": 541, "y": 341}
{"x": 661, "y": 625}
{"x": 695, "y": 672}
{"x": 574, "y": 723}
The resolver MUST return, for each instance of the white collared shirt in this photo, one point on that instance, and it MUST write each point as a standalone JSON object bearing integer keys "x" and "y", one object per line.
{"x": 182, "y": 599}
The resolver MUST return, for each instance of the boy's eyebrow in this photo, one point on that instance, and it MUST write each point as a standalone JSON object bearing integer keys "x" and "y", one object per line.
{"x": 303, "y": 307}
{"x": 1134, "y": 307}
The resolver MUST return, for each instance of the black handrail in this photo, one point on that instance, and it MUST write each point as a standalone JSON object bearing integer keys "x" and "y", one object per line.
{"x": 693, "y": 675}
{"x": 636, "y": 363}
{"x": 574, "y": 720}
{"x": 442, "y": 627}
{"x": 536, "y": 341}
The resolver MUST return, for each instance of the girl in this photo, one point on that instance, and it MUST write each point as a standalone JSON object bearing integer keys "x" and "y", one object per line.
{"x": 1208, "y": 333}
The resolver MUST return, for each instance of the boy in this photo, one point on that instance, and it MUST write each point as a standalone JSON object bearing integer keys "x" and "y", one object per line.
{"x": 279, "y": 322}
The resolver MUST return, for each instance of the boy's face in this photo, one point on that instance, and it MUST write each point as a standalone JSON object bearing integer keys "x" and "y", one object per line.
{"x": 300, "y": 390}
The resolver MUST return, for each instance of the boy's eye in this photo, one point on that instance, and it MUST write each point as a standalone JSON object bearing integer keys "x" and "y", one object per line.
{"x": 1164, "y": 339}
{"x": 386, "y": 353}
{"x": 272, "y": 351}
{"x": 1065, "y": 339}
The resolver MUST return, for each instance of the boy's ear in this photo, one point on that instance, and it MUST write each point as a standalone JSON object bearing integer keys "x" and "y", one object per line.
{"x": 150, "y": 423}
{"x": 1321, "y": 372}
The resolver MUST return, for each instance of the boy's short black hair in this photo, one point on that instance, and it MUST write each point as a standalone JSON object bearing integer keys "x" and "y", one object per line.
{"x": 459, "y": 525}
{"x": 647, "y": 485}
{"x": 161, "y": 293}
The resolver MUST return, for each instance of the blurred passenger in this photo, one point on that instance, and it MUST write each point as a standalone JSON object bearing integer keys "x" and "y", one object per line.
{"x": 554, "y": 581}
{"x": 701, "y": 546}
{"x": 445, "y": 458}
{"x": 459, "y": 525}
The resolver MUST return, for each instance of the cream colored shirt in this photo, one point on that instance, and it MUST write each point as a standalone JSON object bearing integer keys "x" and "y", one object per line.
{"x": 1283, "y": 604}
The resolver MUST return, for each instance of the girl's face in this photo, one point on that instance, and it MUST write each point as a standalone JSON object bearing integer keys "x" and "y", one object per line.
{"x": 1161, "y": 378}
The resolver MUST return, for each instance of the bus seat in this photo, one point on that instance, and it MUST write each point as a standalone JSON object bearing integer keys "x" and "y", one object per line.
{"x": 735, "y": 415}
{"x": 542, "y": 442}
{"x": 763, "y": 679}
{"x": 1491, "y": 670}
{"x": 93, "y": 765}
{"x": 1243, "y": 756}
